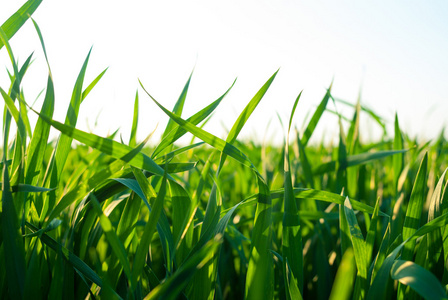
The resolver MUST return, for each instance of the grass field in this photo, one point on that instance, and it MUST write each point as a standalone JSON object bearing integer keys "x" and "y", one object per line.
{"x": 214, "y": 219}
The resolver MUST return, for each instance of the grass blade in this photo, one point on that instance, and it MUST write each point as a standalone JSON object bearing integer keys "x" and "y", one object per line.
{"x": 15, "y": 22}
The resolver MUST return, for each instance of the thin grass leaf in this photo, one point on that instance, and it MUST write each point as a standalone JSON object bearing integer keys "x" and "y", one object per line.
{"x": 114, "y": 241}
{"x": 377, "y": 290}
{"x": 178, "y": 107}
{"x": 74, "y": 260}
{"x": 12, "y": 240}
{"x": 292, "y": 234}
{"x": 179, "y": 131}
{"x": 316, "y": 117}
{"x": 359, "y": 248}
{"x": 415, "y": 208}
{"x": 133, "y": 137}
{"x": 107, "y": 146}
{"x": 15, "y": 22}
{"x": 173, "y": 286}
{"x": 354, "y": 160}
{"x": 210, "y": 139}
{"x": 150, "y": 226}
{"x": 345, "y": 277}
{"x": 260, "y": 277}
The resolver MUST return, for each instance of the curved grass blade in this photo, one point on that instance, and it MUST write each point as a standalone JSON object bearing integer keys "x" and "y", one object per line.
{"x": 260, "y": 275}
{"x": 114, "y": 241}
{"x": 345, "y": 277}
{"x": 15, "y": 22}
{"x": 354, "y": 160}
{"x": 74, "y": 260}
{"x": 178, "y": 107}
{"x": 173, "y": 286}
{"x": 377, "y": 290}
{"x": 150, "y": 226}
{"x": 419, "y": 279}
{"x": 316, "y": 117}
{"x": 179, "y": 131}
{"x": 107, "y": 146}
{"x": 415, "y": 208}
{"x": 210, "y": 139}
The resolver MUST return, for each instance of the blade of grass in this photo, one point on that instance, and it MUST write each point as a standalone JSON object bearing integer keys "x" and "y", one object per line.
{"x": 15, "y": 22}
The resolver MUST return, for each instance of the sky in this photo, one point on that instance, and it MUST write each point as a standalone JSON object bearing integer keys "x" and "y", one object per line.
{"x": 391, "y": 54}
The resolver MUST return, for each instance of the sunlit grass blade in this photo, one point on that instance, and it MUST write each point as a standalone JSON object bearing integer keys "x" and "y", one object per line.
{"x": 150, "y": 226}
{"x": 359, "y": 248}
{"x": 107, "y": 146}
{"x": 314, "y": 195}
{"x": 370, "y": 112}
{"x": 173, "y": 286}
{"x": 316, "y": 117}
{"x": 178, "y": 107}
{"x": 398, "y": 159}
{"x": 345, "y": 277}
{"x": 15, "y": 22}
{"x": 74, "y": 260}
{"x": 260, "y": 277}
{"x": 178, "y": 131}
{"x": 133, "y": 137}
{"x": 414, "y": 209}
{"x": 246, "y": 113}
{"x": 419, "y": 279}
{"x": 292, "y": 234}
{"x": 354, "y": 160}
{"x": 377, "y": 290}
{"x": 114, "y": 241}
{"x": 64, "y": 143}
{"x": 210, "y": 139}
{"x": 435, "y": 238}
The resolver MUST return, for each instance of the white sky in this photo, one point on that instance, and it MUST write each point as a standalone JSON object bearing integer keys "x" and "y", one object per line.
{"x": 397, "y": 51}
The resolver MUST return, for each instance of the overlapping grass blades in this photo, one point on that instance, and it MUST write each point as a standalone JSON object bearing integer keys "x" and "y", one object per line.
{"x": 101, "y": 219}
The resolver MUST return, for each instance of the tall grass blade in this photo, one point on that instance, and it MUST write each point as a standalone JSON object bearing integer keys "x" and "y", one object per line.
{"x": 316, "y": 117}
{"x": 415, "y": 208}
{"x": 292, "y": 234}
{"x": 15, "y": 22}
{"x": 345, "y": 277}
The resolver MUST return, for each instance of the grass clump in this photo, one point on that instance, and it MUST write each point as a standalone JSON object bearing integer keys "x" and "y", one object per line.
{"x": 217, "y": 219}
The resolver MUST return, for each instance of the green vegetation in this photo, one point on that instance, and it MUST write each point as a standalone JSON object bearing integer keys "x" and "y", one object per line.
{"x": 217, "y": 219}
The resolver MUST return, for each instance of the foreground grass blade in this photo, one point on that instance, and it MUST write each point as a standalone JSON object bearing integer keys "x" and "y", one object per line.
{"x": 292, "y": 234}
{"x": 178, "y": 107}
{"x": 173, "y": 286}
{"x": 260, "y": 277}
{"x": 359, "y": 248}
{"x": 210, "y": 139}
{"x": 12, "y": 240}
{"x": 74, "y": 260}
{"x": 377, "y": 290}
{"x": 419, "y": 279}
{"x": 114, "y": 241}
{"x": 178, "y": 131}
{"x": 148, "y": 232}
{"x": 345, "y": 277}
{"x": 415, "y": 208}
{"x": 13, "y": 24}
{"x": 105, "y": 145}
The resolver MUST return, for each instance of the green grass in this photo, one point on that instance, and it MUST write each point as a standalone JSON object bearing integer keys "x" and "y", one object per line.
{"x": 218, "y": 219}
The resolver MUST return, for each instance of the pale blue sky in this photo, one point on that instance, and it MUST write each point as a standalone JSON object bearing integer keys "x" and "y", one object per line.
{"x": 396, "y": 50}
